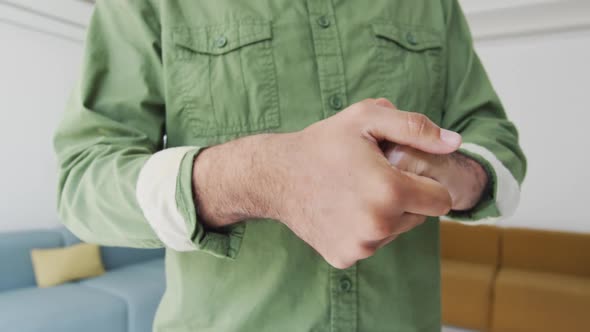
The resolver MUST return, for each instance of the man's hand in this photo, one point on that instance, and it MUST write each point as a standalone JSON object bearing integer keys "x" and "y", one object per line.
{"x": 464, "y": 178}
{"x": 329, "y": 183}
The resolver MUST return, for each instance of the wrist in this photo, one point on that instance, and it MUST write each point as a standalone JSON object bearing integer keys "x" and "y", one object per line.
{"x": 234, "y": 181}
{"x": 474, "y": 178}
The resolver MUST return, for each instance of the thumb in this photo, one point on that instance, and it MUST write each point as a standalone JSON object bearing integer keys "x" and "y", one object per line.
{"x": 411, "y": 129}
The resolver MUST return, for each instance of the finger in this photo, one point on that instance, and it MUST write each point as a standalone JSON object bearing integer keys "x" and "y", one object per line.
{"x": 423, "y": 196}
{"x": 405, "y": 223}
{"x": 412, "y": 129}
{"x": 415, "y": 161}
{"x": 384, "y": 103}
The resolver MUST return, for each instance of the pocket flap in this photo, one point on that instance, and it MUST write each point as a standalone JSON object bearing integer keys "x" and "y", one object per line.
{"x": 413, "y": 39}
{"x": 221, "y": 39}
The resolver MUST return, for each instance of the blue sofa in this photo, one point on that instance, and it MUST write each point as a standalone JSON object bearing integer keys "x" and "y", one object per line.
{"x": 124, "y": 299}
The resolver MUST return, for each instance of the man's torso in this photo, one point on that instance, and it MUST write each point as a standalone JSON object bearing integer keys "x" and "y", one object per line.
{"x": 236, "y": 68}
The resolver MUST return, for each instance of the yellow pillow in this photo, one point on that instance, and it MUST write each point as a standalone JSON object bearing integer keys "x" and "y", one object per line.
{"x": 56, "y": 266}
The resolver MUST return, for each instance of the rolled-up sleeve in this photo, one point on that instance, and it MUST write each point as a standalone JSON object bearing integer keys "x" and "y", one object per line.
{"x": 473, "y": 109}
{"x": 118, "y": 184}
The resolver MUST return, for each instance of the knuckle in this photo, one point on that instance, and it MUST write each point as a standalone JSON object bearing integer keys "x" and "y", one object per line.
{"x": 385, "y": 196}
{"x": 367, "y": 101}
{"x": 379, "y": 228}
{"x": 393, "y": 194}
{"x": 418, "y": 124}
{"x": 446, "y": 205}
{"x": 384, "y": 185}
{"x": 353, "y": 112}
{"x": 385, "y": 102}
{"x": 361, "y": 107}
{"x": 443, "y": 204}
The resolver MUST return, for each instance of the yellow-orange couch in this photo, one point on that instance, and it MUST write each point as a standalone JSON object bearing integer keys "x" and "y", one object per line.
{"x": 508, "y": 279}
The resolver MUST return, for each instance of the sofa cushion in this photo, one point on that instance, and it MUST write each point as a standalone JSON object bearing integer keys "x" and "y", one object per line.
{"x": 466, "y": 290}
{"x": 140, "y": 285}
{"x": 540, "y": 302}
{"x": 547, "y": 251}
{"x": 15, "y": 256}
{"x": 64, "y": 308}
{"x": 475, "y": 244}
{"x": 59, "y": 265}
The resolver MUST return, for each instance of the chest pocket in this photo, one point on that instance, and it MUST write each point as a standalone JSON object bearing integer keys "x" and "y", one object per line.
{"x": 411, "y": 69}
{"x": 222, "y": 79}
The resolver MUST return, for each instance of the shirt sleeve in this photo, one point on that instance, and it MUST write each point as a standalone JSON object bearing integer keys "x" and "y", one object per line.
{"x": 473, "y": 109}
{"x": 118, "y": 185}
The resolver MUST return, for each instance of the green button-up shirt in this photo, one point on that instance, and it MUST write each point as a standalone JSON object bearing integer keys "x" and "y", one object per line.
{"x": 164, "y": 78}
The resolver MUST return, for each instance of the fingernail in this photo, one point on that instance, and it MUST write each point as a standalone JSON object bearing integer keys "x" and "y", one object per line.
{"x": 451, "y": 138}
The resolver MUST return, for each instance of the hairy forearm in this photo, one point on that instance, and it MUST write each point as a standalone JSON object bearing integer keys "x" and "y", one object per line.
{"x": 477, "y": 185}
{"x": 234, "y": 181}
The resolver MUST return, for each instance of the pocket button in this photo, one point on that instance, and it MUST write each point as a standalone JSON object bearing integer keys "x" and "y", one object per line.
{"x": 411, "y": 38}
{"x": 220, "y": 42}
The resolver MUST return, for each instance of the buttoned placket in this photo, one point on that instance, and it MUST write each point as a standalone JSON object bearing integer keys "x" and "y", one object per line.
{"x": 328, "y": 54}
{"x": 343, "y": 299}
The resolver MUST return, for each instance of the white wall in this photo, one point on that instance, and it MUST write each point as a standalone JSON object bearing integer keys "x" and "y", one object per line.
{"x": 37, "y": 72}
{"x": 543, "y": 80}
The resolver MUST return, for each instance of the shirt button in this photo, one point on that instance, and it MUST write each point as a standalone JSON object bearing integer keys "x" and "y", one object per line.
{"x": 335, "y": 102}
{"x": 323, "y": 21}
{"x": 345, "y": 285}
{"x": 411, "y": 38}
{"x": 220, "y": 41}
